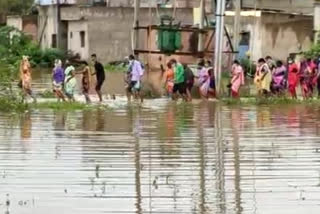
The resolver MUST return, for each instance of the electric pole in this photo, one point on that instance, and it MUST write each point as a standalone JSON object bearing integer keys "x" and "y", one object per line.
{"x": 237, "y": 21}
{"x": 201, "y": 25}
{"x": 135, "y": 38}
{"x": 219, "y": 35}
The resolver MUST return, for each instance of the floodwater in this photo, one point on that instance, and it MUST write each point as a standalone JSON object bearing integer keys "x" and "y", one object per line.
{"x": 201, "y": 158}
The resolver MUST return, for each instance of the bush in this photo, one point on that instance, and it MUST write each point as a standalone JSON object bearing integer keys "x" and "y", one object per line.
{"x": 249, "y": 67}
{"x": 314, "y": 52}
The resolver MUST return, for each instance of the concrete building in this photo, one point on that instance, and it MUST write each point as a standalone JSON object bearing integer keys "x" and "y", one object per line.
{"x": 101, "y": 27}
{"x": 273, "y": 33}
{"x": 27, "y": 24}
{"x": 302, "y": 7}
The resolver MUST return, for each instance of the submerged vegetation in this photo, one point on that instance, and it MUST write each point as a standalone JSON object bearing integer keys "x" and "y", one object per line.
{"x": 268, "y": 101}
{"x": 13, "y": 45}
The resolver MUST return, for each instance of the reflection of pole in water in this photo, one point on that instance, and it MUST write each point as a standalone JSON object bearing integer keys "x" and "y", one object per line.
{"x": 236, "y": 152}
{"x": 138, "y": 170}
{"x": 220, "y": 161}
{"x": 202, "y": 171}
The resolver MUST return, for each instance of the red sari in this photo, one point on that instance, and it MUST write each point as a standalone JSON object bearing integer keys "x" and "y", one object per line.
{"x": 293, "y": 79}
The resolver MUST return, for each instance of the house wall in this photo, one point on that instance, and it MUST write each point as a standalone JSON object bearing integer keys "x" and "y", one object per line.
{"x": 26, "y": 24}
{"x": 15, "y": 21}
{"x": 47, "y": 25}
{"x": 109, "y": 30}
{"x": 277, "y": 35}
{"x": 284, "y": 34}
{"x": 74, "y": 38}
{"x": 289, "y": 6}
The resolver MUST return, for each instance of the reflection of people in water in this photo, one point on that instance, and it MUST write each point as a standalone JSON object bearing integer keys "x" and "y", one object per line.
{"x": 26, "y": 126}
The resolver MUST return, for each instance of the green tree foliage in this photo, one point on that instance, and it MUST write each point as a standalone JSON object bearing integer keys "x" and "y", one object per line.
{"x": 19, "y": 7}
{"x": 314, "y": 51}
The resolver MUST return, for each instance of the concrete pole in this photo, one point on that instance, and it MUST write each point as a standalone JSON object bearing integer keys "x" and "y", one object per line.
{"x": 316, "y": 21}
{"x": 58, "y": 25}
{"x": 237, "y": 21}
{"x": 136, "y": 24}
{"x": 201, "y": 25}
{"x": 219, "y": 43}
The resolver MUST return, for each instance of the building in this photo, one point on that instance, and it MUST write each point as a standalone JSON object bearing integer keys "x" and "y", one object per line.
{"x": 103, "y": 27}
{"x": 274, "y": 27}
{"x": 27, "y": 24}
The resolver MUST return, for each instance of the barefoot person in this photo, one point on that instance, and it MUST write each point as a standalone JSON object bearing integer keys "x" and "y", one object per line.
{"x": 58, "y": 80}
{"x": 70, "y": 81}
{"x": 179, "y": 83}
{"x": 263, "y": 78}
{"x": 25, "y": 77}
{"x": 100, "y": 74}
{"x": 86, "y": 81}
{"x": 237, "y": 79}
{"x": 169, "y": 79}
{"x": 134, "y": 76}
{"x": 203, "y": 80}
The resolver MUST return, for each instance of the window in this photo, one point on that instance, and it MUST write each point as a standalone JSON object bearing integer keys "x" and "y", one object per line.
{"x": 245, "y": 38}
{"x": 83, "y": 39}
{"x": 54, "y": 41}
{"x": 71, "y": 35}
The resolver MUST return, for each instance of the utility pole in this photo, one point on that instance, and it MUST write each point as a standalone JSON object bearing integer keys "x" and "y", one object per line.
{"x": 219, "y": 35}
{"x": 316, "y": 21}
{"x": 135, "y": 40}
{"x": 237, "y": 21}
{"x": 58, "y": 40}
{"x": 201, "y": 25}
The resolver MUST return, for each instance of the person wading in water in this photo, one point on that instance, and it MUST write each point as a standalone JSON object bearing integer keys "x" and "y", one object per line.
{"x": 86, "y": 81}
{"x": 25, "y": 78}
{"x": 100, "y": 74}
{"x": 134, "y": 79}
{"x": 58, "y": 80}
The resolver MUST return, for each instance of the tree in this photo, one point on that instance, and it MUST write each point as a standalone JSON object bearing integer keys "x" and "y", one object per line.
{"x": 19, "y": 7}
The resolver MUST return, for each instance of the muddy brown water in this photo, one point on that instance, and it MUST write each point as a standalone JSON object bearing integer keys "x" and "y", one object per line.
{"x": 202, "y": 158}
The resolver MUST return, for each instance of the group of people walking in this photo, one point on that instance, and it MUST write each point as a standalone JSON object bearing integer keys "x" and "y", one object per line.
{"x": 271, "y": 78}
{"x": 179, "y": 80}
{"x": 64, "y": 79}
{"x": 275, "y": 78}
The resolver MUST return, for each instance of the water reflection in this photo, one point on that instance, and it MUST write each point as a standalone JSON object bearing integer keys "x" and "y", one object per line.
{"x": 203, "y": 158}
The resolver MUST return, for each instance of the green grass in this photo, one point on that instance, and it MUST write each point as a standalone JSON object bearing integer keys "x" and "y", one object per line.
{"x": 115, "y": 68}
{"x": 10, "y": 105}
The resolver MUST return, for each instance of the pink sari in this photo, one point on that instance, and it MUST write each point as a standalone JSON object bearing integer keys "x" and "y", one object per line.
{"x": 237, "y": 78}
{"x": 204, "y": 81}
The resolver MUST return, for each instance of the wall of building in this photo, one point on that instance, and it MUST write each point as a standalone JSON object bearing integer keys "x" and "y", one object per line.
{"x": 290, "y": 6}
{"x": 275, "y": 34}
{"x": 74, "y": 38}
{"x": 15, "y": 21}
{"x": 285, "y": 34}
{"x": 47, "y": 25}
{"x": 109, "y": 30}
{"x": 26, "y": 24}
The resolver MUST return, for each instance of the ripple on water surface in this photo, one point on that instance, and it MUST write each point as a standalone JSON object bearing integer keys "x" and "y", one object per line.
{"x": 167, "y": 158}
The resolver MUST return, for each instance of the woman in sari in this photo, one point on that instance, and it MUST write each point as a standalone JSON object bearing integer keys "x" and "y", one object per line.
{"x": 293, "y": 78}
{"x": 70, "y": 82}
{"x": 203, "y": 80}
{"x": 237, "y": 79}
{"x": 25, "y": 77}
{"x": 169, "y": 79}
{"x": 58, "y": 80}
{"x": 278, "y": 84}
{"x": 263, "y": 78}
{"x": 86, "y": 81}
{"x": 307, "y": 72}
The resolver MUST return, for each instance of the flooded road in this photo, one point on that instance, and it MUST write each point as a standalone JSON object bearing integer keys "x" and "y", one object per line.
{"x": 164, "y": 158}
